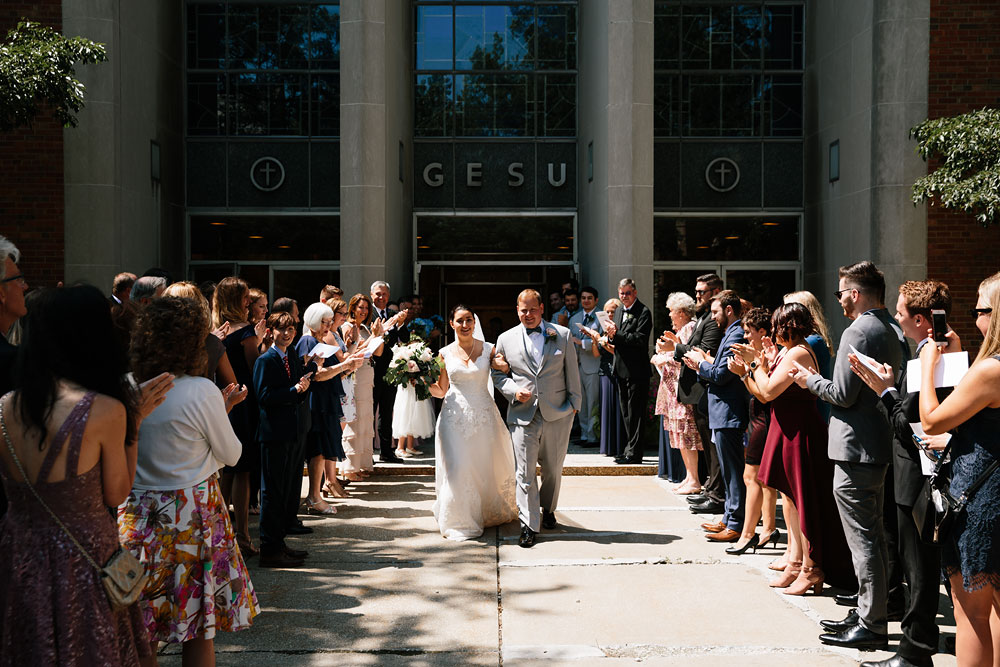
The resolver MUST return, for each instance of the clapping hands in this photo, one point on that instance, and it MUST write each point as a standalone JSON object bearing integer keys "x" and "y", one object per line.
{"x": 152, "y": 392}
{"x": 879, "y": 380}
{"x": 694, "y": 357}
{"x": 234, "y": 395}
{"x": 800, "y": 374}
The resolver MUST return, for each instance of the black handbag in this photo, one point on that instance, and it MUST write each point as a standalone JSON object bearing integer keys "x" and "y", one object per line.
{"x": 935, "y": 509}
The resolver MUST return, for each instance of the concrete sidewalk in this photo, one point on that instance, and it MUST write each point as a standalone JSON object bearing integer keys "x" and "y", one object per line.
{"x": 627, "y": 577}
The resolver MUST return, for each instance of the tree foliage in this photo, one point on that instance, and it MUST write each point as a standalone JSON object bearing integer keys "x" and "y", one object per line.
{"x": 37, "y": 67}
{"x": 969, "y": 177}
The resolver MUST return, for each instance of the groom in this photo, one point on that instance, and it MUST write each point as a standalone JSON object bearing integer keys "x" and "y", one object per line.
{"x": 543, "y": 388}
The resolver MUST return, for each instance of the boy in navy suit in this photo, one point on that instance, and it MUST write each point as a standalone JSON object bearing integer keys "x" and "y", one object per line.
{"x": 281, "y": 384}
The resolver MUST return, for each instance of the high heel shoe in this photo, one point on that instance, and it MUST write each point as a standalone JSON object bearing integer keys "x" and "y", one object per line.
{"x": 809, "y": 577}
{"x": 790, "y": 574}
{"x": 752, "y": 543}
{"x": 312, "y": 509}
{"x": 246, "y": 547}
{"x": 771, "y": 540}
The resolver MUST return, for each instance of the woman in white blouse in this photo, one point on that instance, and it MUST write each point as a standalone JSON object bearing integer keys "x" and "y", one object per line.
{"x": 174, "y": 520}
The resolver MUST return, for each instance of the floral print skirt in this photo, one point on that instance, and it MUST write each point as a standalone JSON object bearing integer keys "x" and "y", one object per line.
{"x": 198, "y": 583}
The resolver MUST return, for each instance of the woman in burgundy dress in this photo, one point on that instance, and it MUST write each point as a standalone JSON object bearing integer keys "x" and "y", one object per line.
{"x": 795, "y": 458}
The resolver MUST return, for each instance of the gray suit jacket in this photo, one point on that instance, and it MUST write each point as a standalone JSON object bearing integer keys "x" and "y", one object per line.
{"x": 859, "y": 430}
{"x": 589, "y": 364}
{"x": 554, "y": 384}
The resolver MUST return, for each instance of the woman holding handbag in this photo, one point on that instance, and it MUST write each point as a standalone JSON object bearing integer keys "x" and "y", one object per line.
{"x": 970, "y": 556}
{"x": 68, "y": 455}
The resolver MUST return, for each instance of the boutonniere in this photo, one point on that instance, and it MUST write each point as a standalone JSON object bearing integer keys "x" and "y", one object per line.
{"x": 550, "y": 335}
{"x": 626, "y": 317}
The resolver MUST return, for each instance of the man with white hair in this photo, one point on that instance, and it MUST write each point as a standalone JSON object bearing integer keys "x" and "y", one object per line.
{"x": 383, "y": 394}
{"x": 12, "y": 288}
{"x": 146, "y": 289}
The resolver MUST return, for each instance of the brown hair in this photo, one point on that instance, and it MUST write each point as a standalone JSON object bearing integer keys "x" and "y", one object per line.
{"x": 711, "y": 280}
{"x": 282, "y": 320}
{"x": 791, "y": 321}
{"x": 123, "y": 281}
{"x": 923, "y": 296}
{"x": 728, "y": 297}
{"x": 330, "y": 292}
{"x": 758, "y": 318}
{"x": 809, "y": 300}
{"x": 336, "y": 304}
{"x": 865, "y": 277}
{"x": 169, "y": 336}
{"x": 353, "y": 306}
{"x": 529, "y": 294}
{"x": 227, "y": 305}
{"x": 186, "y": 290}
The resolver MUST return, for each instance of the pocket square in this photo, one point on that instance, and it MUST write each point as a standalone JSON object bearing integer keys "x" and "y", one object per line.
{"x": 557, "y": 352}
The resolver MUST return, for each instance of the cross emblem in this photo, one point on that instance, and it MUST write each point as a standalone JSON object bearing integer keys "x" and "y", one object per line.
{"x": 267, "y": 174}
{"x": 722, "y": 174}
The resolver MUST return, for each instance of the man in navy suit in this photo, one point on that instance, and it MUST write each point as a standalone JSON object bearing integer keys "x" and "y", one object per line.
{"x": 728, "y": 409}
{"x": 281, "y": 384}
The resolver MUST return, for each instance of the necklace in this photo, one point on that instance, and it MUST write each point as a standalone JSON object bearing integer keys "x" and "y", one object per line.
{"x": 468, "y": 353}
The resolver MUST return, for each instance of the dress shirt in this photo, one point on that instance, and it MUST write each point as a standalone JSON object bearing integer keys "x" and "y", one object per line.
{"x": 186, "y": 439}
{"x": 537, "y": 342}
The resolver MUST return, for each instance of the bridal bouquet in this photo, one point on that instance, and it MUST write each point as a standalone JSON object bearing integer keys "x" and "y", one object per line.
{"x": 414, "y": 364}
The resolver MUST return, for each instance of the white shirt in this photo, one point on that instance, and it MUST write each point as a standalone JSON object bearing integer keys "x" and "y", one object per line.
{"x": 537, "y": 342}
{"x": 186, "y": 439}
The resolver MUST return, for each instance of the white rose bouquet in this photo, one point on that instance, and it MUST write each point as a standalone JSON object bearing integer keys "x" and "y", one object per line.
{"x": 414, "y": 364}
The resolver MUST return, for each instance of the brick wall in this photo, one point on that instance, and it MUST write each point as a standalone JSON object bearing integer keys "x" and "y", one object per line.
{"x": 31, "y": 190}
{"x": 963, "y": 75}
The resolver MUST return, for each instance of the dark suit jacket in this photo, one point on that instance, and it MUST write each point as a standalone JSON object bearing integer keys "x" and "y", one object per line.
{"x": 631, "y": 342}
{"x": 706, "y": 335}
{"x": 903, "y": 409}
{"x": 276, "y": 395}
{"x": 728, "y": 400}
{"x": 395, "y": 335}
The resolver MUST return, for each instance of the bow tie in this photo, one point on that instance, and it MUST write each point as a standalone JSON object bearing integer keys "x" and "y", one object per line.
{"x": 532, "y": 330}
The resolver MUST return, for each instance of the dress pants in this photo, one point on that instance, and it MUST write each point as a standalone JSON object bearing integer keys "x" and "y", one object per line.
{"x": 383, "y": 398}
{"x": 590, "y": 388}
{"x": 729, "y": 447}
{"x": 543, "y": 444}
{"x": 922, "y": 565}
{"x": 632, "y": 396}
{"x": 858, "y": 490}
{"x": 277, "y": 460}
{"x": 895, "y": 596}
{"x": 714, "y": 489}
{"x": 294, "y": 501}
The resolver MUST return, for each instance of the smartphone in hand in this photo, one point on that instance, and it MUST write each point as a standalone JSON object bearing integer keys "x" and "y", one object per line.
{"x": 940, "y": 325}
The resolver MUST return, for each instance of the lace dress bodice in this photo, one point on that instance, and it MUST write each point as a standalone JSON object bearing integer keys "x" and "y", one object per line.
{"x": 469, "y": 401}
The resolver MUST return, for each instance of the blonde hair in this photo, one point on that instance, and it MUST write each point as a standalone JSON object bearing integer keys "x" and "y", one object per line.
{"x": 529, "y": 294}
{"x": 989, "y": 291}
{"x": 616, "y": 302}
{"x": 809, "y": 300}
{"x": 187, "y": 290}
{"x": 227, "y": 306}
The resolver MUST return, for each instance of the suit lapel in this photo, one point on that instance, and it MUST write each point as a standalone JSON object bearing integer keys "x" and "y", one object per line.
{"x": 548, "y": 348}
{"x": 529, "y": 351}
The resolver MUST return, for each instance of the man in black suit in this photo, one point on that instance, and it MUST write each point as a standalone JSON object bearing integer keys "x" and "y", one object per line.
{"x": 12, "y": 288}
{"x": 280, "y": 385}
{"x": 691, "y": 391}
{"x": 921, "y": 561}
{"x": 383, "y": 394}
{"x": 629, "y": 333}
{"x": 121, "y": 288}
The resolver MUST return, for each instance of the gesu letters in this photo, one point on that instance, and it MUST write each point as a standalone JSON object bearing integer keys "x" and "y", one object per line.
{"x": 434, "y": 174}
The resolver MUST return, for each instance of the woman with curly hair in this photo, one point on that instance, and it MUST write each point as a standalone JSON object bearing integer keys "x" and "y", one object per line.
{"x": 359, "y": 434}
{"x": 175, "y": 519}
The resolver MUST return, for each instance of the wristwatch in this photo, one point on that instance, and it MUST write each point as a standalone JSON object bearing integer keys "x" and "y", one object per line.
{"x": 753, "y": 365}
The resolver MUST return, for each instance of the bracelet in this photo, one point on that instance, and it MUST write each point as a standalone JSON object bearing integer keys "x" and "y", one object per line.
{"x": 744, "y": 377}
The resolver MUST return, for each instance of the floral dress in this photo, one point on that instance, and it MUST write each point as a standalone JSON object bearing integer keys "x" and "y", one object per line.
{"x": 678, "y": 418}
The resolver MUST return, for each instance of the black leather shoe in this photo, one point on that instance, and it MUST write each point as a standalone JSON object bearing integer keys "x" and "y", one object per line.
{"x": 696, "y": 498}
{"x": 898, "y": 661}
{"x": 847, "y": 600}
{"x": 548, "y": 520}
{"x": 589, "y": 444}
{"x": 298, "y": 554}
{"x": 851, "y": 619}
{"x": 708, "y": 507}
{"x": 299, "y": 530}
{"x": 527, "y": 539}
{"x": 857, "y": 636}
{"x": 389, "y": 458}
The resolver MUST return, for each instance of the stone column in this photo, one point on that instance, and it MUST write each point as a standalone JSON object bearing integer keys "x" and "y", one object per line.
{"x": 376, "y": 91}
{"x": 616, "y": 118}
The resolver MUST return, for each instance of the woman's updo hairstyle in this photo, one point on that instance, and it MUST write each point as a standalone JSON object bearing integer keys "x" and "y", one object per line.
{"x": 792, "y": 321}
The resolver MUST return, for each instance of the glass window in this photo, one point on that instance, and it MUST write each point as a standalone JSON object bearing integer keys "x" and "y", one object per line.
{"x": 434, "y": 37}
{"x": 783, "y": 99}
{"x": 666, "y": 105}
{"x": 496, "y": 238}
{"x": 769, "y": 238}
{"x": 206, "y": 104}
{"x": 555, "y": 37}
{"x": 434, "y": 105}
{"x": 783, "y": 37}
{"x": 254, "y": 238}
{"x": 666, "y": 36}
{"x": 721, "y": 105}
{"x": 493, "y": 38}
{"x": 558, "y": 113}
{"x": 325, "y": 107}
{"x": 206, "y": 37}
{"x": 492, "y": 105}
{"x": 268, "y": 104}
{"x": 324, "y": 37}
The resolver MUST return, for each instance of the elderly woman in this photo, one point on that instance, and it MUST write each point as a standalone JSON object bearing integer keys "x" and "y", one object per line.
{"x": 612, "y": 425}
{"x": 678, "y": 418}
{"x": 359, "y": 434}
{"x": 175, "y": 519}
{"x": 323, "y": 442}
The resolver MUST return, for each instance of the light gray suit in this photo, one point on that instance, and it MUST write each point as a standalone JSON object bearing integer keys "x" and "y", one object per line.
{"x": 861, "y": 449}
{"x": 539, "y": 427}
{"x": 590, "y": 380}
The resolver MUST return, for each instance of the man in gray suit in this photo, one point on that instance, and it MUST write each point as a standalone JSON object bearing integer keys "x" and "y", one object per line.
{"x": 590, "y": 366}
{"x": 543, "y": 388}
{"x": 861, "y": 450}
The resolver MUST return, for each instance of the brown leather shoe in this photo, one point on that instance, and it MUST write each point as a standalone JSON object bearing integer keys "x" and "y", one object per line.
{"x": 727, "y": 535}
{"x": 716, "y": 527}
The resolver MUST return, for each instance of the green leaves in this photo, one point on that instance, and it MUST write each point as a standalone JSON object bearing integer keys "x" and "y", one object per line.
{"x": 37, "y": 67}
{"x": 969, "y": 176}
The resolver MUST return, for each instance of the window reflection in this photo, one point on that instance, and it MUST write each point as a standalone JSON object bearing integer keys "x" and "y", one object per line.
{"x": 492, "y": 38}
{"x": 255, "y": 237}
{"x": 492, "y": 105}
{"x": 434, "y": 37}
{"x": 484, "y": 238}
{"x": 770, "y": 238}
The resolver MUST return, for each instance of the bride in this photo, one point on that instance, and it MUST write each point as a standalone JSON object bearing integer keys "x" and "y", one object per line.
{"x": 474, "y": 458}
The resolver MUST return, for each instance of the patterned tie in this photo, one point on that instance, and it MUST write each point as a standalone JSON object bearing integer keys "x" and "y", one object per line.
{"x": 288, "y": 369}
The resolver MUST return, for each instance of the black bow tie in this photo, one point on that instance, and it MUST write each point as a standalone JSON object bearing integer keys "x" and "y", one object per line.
{"x": 533, "y": 330}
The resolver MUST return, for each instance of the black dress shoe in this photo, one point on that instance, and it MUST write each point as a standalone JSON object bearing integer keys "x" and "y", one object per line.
{"x": 299, "y": 530}
{"x": 857, "y": 636}
{"x": 527, "y": 539}
{"x": 589, "y": 444}
{"x": 899, "y": 661}
{"x": 548, "y": 520}
{"x": 296, "y": 553}
{"x": 847, "y": 600}
{"x": 708, "y": 507}
{"x": 851, "y": 619}
{"x": 389, "y": 458}
{"x": 696, "y": 498}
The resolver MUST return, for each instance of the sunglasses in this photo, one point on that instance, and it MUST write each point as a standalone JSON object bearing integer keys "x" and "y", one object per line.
{"x": 836, "y": 295}
{"x": 976, "y": 312}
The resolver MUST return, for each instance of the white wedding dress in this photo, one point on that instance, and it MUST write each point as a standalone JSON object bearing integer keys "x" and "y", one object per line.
{"x": 474, "y": 457}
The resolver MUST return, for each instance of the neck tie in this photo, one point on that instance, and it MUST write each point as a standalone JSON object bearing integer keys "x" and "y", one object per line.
{"x": 532, "y": 330}
{"x": 288, "y": 369}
